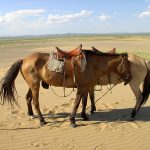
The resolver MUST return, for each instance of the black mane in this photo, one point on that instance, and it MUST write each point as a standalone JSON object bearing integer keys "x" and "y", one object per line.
{"x": 99, "y": 53}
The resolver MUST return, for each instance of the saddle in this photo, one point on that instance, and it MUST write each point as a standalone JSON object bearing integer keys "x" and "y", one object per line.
{"x": 69, "y": 54}
{"x": 57, "y": 59}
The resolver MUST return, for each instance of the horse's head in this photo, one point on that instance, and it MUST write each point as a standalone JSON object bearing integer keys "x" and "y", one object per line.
{"x": 124, "y": 68}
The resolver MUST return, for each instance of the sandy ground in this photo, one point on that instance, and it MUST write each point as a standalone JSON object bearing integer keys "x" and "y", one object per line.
{"x": 107, "y": 129}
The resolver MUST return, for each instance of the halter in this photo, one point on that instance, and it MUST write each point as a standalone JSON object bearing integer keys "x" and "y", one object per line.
{"x": 124, "y": 68}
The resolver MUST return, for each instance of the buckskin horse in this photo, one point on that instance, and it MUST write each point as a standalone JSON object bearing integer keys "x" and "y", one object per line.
{"x": 140, "y": 71}
{"x": 34, "y": 69}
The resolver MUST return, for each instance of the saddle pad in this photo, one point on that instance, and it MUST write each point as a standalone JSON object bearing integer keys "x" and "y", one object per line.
{"x": 54, "y": 64}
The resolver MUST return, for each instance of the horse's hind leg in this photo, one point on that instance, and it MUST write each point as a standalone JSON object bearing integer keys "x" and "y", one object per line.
{"x": 35, "y": 94}
{"x": 29, "y": 102}
{"x": 29, "y": 72}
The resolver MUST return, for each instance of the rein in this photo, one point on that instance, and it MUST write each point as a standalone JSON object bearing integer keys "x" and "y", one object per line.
{"x": 123, "y": 67}
{"x": 111, "y": 87}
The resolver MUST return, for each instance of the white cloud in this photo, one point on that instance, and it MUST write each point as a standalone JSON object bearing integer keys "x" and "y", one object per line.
{"x": 20, "y": 14}
{"x": 1, "y": 19}
{"x": 39, "y": 14}
{"x": 104, "y": 17}
{"x": 144, "y": 14}
{"x": 68, "y": 17}
{"x": 37, "y": 21}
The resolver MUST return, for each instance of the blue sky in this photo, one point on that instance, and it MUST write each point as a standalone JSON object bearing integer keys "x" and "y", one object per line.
{"x": 31, "y": 17}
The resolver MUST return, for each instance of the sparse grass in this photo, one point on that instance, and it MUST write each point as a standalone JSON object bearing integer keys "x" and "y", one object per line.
{"x": 75, "y": 37}
{"x": 141, "y": 54}
{"x": 144, "y": 55}
{"x": 40, "y": 41}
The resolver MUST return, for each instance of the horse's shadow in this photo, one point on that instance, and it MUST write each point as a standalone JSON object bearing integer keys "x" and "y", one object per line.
{"x": 120, "y": 115}
{"x": 113, "y": 115}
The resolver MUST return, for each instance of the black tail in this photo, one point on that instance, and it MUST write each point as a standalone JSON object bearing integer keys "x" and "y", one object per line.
{"x": 7, "y": 85}
{"x": 146, "y": 88}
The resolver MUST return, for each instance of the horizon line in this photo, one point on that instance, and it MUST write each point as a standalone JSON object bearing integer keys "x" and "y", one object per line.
{"x": 62, "y": 34}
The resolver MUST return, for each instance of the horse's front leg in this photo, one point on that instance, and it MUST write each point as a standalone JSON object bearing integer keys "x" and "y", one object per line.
{"x": 29, "y": 101}
{"x": 84, "y": 104}
{"x": 92, "y": 98}
{"x": 73, "y": 114}
{"x": 137, "y": 92}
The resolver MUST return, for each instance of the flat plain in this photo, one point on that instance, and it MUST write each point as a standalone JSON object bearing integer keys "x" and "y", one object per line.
{"x": 107, "y": 129}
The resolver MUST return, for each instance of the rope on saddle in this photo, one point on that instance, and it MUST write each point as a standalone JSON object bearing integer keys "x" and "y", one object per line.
{"x": 61, "y": 95}
{"x": 109, "y": 80}
{"x": 64, "y": 83}
{"x": 98, "y": 89}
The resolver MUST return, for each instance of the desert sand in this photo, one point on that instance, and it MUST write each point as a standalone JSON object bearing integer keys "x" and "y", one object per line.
{"x": 107, "y": 129}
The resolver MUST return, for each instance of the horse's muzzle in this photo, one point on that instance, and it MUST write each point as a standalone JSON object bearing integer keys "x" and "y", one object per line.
{"x": 127, "y": 79}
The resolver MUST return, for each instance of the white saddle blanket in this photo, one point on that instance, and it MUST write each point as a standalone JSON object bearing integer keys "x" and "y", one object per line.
{"x": 54, "y": 64}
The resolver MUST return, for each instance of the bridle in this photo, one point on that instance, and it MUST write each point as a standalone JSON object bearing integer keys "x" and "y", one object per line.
{"x": 124, "y": 71}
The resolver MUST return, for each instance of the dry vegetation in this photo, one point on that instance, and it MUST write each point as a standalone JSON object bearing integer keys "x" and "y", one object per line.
{"x": 138, "y": 44}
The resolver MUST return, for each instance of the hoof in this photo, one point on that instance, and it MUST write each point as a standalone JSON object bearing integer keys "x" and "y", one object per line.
{"x": 132, "y": 119}
{"x": 43, "y": 123}
{"x": 92, "y": 111}
{"x": 32, "y": 117}
{"x": 73, "y": 125}
{"x": 86, "y": 118}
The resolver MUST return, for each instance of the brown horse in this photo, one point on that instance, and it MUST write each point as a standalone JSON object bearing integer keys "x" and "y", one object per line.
{"x": 140, "y": 70}
{"x": 91, "y": 92}
{"x": 34, "y": 69}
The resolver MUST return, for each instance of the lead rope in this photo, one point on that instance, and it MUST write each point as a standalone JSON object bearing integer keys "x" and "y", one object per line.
{"x": 109, "y": 89}
{"x": 96, "y": 100}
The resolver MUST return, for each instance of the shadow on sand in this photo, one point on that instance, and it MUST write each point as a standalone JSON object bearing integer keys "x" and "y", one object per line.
{"x": 114, "y": 115}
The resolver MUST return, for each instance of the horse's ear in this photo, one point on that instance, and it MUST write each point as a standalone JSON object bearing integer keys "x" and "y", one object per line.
{"x": 113, "y": 51}
{"x": 93, "y": 48}
{"x": 79, "y": 47}
{"x": 58, "y": 49}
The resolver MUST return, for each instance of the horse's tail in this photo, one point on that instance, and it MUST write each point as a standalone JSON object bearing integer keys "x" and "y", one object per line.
{"x": 7, "y": 86}
{"x": 146, "y": 85}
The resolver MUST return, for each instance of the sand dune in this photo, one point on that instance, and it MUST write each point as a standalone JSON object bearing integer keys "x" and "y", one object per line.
{"x": 107, "y": 129}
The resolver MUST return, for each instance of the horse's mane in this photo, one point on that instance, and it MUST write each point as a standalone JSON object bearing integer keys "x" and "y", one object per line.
{"x": 99, "y": 53}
